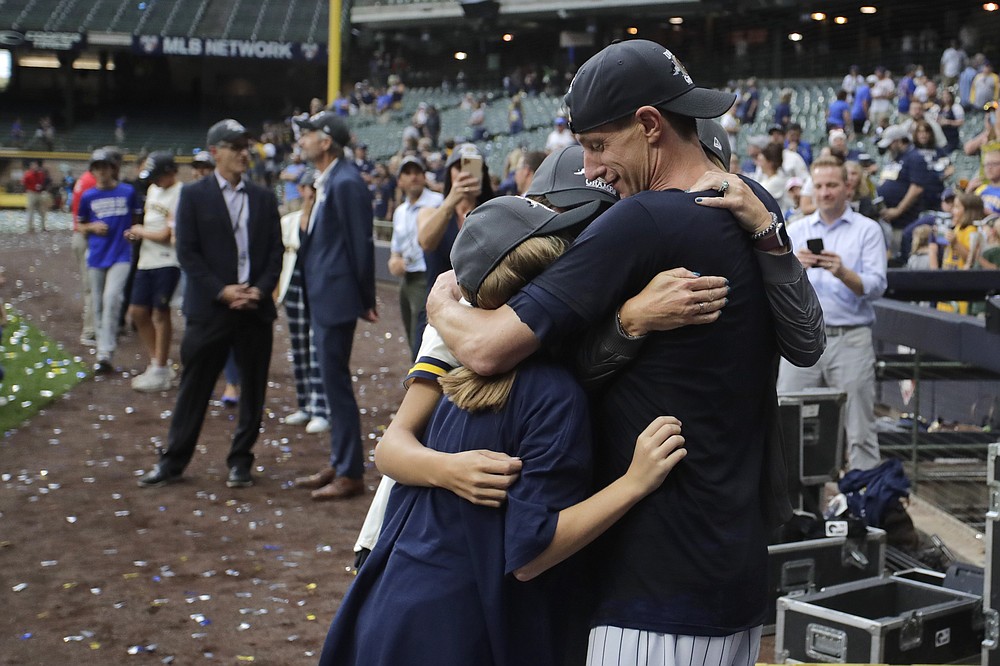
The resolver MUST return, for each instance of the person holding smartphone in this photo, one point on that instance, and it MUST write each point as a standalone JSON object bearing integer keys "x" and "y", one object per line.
{"x": 466, "y": 185}
{"x": 844, "y": 254}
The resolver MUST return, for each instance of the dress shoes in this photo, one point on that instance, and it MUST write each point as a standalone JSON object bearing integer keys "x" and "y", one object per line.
{"x": 340, "y": 488}
{"x": 239, "y": 478}
{"x": 158, "y": 477}
{"x": 317, "y": 480}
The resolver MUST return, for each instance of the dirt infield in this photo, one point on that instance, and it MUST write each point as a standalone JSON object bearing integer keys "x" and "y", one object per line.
{"x": 94, "y": 570}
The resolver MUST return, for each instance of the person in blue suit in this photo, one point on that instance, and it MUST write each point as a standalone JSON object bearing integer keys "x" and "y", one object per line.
{"x": 229, "y": 246}
{"x": 338, "y": 272}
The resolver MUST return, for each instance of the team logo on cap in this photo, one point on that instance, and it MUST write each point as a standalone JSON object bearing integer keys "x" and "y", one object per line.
{"x": 601, "y": 184}
{"x": 678, "y": 67}
{"x": 234, "y": 126}
{"x": 716, "y": 143}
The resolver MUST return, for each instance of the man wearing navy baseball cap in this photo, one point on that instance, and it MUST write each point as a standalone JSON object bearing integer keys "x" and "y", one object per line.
{"x": 228, "y": 238}
{"x": 338, "y": 275}
{"x": 689, "y": 562}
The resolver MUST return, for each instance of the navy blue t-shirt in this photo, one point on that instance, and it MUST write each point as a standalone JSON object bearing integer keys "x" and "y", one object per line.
{"x": 691, "y": 557}
{"x": 438, "y": 260}
{"x": 895, "y": 180}
{"x": 438, "y": 586}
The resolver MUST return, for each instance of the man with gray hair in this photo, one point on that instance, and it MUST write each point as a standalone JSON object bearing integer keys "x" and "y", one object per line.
{"x": 338, "y": 272}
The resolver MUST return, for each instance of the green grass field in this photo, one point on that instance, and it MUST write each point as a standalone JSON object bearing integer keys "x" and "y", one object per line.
{"x": 37, "y": 371}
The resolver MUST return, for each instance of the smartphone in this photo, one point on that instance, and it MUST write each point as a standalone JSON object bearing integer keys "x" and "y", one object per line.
{"x": 473, "y": 164}
{"x": 815, "y": 245}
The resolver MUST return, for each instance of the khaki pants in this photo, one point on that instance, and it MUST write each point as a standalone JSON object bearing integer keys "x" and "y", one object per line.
{"x": 79, "y": 245}
{"x": 37, "y": 202}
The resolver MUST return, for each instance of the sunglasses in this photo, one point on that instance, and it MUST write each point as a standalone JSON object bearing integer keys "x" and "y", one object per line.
{"x": 238, "y": 146}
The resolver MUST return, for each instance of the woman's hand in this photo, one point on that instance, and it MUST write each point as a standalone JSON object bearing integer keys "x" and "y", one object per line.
{"x": 464, "y": 185}
{"x": 736, "y": 196}
{"x": 657, "y": 450}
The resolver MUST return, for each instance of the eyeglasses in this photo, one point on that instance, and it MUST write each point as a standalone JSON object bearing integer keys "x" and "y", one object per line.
{"x": 239, "y": 146}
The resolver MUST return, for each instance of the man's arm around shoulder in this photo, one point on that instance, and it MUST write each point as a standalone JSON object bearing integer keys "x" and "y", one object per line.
{"x": 488, "y": 342}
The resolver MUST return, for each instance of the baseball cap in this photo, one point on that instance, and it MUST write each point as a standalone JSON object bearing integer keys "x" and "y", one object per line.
{"x": 775, "y": 128}
{"x": 203, "y": 158}
{"x": 560, "y": 179}
{"x": 560, "y": 120}
{"x": 329, "y": 123}
{"x": 460, "y": 151}
{"x": 407, "y": 161}
{"x": 627, "y": 75}
{"x": 307, "y": 178}
{"x": 794, "y": 181}
{"x": 893, "y": 133}
{"x": 496, "y": 227}
{"x": 226, "y": 131}
{"x": 715, "y": 140}
{"x": 837, "y": 133}
{"x": 157, "y": 164}
{"x": 105, "y": 156}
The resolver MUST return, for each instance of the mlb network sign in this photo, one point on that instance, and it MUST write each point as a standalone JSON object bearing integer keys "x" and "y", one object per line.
{"x": 226, "y": 48}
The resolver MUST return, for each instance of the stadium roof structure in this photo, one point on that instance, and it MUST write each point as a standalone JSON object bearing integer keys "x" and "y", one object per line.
{"x": 301, "y": 21}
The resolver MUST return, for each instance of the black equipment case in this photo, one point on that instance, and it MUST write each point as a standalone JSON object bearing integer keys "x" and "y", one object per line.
{"x": 886, "y": 620}
{"x": 802, "y": 567}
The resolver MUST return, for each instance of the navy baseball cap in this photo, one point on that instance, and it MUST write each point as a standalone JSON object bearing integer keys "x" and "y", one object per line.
{"x": 560, "y": 179}
{"x": 226, "y": 131}
{"x": 330, "y": 124}
{"x": 627, "y": 75}
{"x": 496, "y": 227}
{"x": 158, "y": 164}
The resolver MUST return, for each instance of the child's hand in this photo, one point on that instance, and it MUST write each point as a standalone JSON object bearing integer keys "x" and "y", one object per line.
{"x": 657, "y": 450}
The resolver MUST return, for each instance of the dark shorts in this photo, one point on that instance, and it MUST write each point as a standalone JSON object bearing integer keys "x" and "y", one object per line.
{"x": 153, "y": 288}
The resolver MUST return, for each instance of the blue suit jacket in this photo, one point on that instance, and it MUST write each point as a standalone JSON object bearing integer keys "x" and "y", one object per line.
{"x": 206, "y": 247}
{"x": 338, "y": 256}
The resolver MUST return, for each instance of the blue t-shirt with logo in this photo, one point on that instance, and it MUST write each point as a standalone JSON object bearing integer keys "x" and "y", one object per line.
{"x": 115, "y": 208}
{"x": 895, "y": 180}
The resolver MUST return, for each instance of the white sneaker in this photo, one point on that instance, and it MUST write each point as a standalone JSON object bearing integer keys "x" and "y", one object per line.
{"x": 88, "y": 340}
{"x": 317, "y": 425}
{"x": 151, "y": 382}
{"x": 297, "y": 418}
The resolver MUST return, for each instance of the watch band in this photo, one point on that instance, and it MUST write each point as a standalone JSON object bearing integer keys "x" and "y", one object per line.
{"x": 775, "y": 239}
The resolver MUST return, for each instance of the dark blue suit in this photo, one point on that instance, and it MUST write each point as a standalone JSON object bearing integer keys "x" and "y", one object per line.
{"x": 206, "y": 249}
{"x": 338, "y": 268}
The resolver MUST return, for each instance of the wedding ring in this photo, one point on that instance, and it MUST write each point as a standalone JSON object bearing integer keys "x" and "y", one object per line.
{"x": 701, "y": 307}
{"x": 723, "y": 188}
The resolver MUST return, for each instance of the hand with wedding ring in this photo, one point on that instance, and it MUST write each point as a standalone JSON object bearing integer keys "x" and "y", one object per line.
{"x": 730, "y": 192}
{"x": 672, "y": 299}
